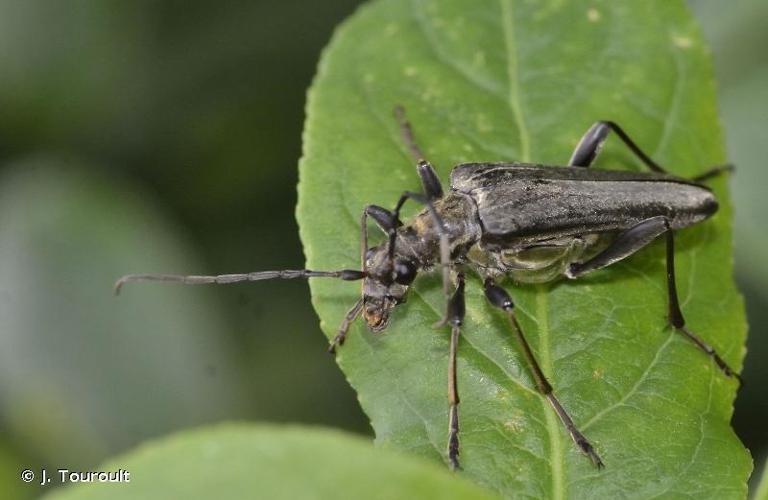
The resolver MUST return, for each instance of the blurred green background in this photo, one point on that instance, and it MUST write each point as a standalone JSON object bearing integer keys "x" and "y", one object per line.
{"x": 163, "y": 137}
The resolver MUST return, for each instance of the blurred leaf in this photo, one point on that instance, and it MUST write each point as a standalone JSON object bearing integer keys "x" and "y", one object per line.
{"x": 749, "y": 150}
{"x": 83, "y": 373}
{"x": 742, "y": 77}
{"x": 743, "y": 81}
{"x": 11, "y": 466}
{"x": 761, "y": 493}
{"x": 257, "y": 461}
{"x": 522, "y": 81}
{"x": 733, "y": 33}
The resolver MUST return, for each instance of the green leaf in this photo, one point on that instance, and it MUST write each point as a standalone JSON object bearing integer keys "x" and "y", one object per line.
{"x": 518, "y": 80}
{"x": 259, "y": 461}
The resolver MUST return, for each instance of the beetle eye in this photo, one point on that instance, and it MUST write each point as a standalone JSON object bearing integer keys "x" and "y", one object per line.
{"x": 405, "y": 272}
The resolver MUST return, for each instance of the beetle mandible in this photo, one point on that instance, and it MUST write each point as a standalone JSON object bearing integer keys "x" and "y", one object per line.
{"x": 534, "y": 223}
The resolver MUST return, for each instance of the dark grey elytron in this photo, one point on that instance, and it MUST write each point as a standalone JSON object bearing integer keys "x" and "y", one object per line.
{"x": 534, "y": 223}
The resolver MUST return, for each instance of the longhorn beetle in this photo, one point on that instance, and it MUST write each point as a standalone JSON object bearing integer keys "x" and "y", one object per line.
{"x": 534, "y": 223}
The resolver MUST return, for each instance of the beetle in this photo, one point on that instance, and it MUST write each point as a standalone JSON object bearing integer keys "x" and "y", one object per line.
{"x": 533, "y": 223}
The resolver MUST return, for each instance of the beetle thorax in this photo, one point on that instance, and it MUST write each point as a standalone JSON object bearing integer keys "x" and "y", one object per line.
{"x": 417, "y": 247}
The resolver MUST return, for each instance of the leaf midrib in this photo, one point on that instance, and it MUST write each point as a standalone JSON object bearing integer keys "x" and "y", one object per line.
{"x": 556, "y": 451}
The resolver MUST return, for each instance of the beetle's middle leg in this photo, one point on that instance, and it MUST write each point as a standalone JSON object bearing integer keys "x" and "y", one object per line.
{"x": 592, "y": 142}
{"x": 455, "y": 318}
{"x": 629, "y": 242}
{"x": 498, "y": 297}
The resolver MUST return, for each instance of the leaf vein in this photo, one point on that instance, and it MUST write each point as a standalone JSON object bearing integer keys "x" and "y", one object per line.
{"x": 480, "y": 83}
{"x": 635, "y": 387}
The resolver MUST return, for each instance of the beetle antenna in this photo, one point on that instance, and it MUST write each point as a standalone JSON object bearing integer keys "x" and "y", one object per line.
{"x": 406, "y": 131}
{"x": 225, "y": 279}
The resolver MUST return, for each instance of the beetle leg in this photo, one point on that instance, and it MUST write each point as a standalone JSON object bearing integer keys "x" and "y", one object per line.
{"x": 341, "y": 336}
{"x": 713, "y": 172}
{"x": 386, "y": 220}
{"x": 629, "y": 242}
{"x": 676, "y": 315}
{"x": 589, "y": 146}
{"x": 498, "y": 297}
{"x": 592, "y": 142}
{"x": 429, "y": 180}
{"x": 455, "y": 318}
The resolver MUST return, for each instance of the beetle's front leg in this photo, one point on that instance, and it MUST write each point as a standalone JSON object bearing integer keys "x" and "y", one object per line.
{"x": 341, "y": 334}
{"x": 629, "y": 242}
{"x": 455, "y": 318}
{"x": 498, "y": 297}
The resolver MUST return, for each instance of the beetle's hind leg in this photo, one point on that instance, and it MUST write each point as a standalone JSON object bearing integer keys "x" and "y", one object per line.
{"x": 592, "y": 142}
{"x": 676, "y": 318}
{"x": 629, "y": 242}
{"x": 498, "y": 297}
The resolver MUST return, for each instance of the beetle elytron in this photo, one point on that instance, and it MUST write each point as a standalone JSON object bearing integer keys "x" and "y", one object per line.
{"x": 532, "y": 222}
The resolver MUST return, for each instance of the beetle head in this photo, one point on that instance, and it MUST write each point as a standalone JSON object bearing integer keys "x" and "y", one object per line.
{"x": 385, "y": 286}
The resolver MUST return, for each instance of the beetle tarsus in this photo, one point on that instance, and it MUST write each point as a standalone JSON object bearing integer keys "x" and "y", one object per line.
{"x": 714, "y": 172}
{"x": 453, "y": 437}
{"x": 587, "y": 448}
{"x": 712, "y": 353}
{"x": 582, "y": 442}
